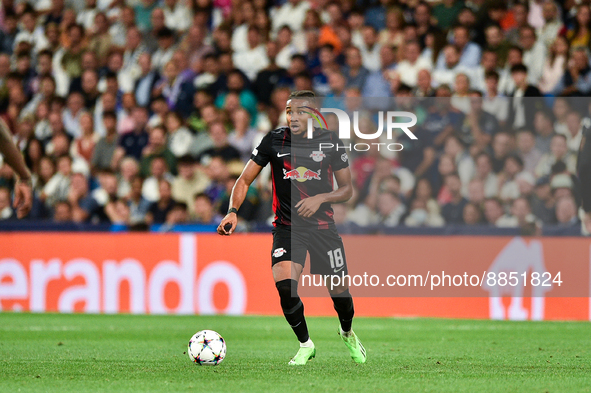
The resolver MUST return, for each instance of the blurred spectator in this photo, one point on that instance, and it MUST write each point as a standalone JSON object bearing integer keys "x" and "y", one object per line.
{"x": 502, "y": 145}
{"x": 412, "y": 64}
{"x": 566, "y": 212}
{"x": 520, "y": 216}
{"x": 242, "y": 135}
{"x": 493, "y": 211}
{"x": 579, "y": 34}
{"x": 203, "y": 210}
{"x": 520, "y": 12}
{"x": 221, "y": 146}
{"x": 134, "y": 48}
{"x": 527, "y": 151}
{"x": 71, "y": 116}
{"x": 62, "y": 212}
{"x": 291, "y": 13}
{"x": 146, "y": 80}
{"x": 134, "y": 142}
{"x": 452, "y": 212}
{"x": 85, "y": 206}
{"x": 446, "y": 13}
{"x": 100, "y": 39}
{"x": 522, "y": 110}
{"x": 542, "y": 201}
{"x": 269, "y": 77}
{"x": 496, "y": 42}
{"x": 253, "y": 58}
{"x": 576, "y": 79}
{"x": 533, "y": 50}
{"x": 138, "y": 205}
{"x": 176, "y": 15}
{"x": 118, "y": 212}
{"x": 509, "y": 190}
{"x": 469, "y": 52}
{"x": 552, "y": 24}
{"x": 544, "y": 131}
{"x": 191, "y": 180}
{"x": 389, "y": 208}
{"x": 217, "y": 171}
{"x": 57, "y": 187}
{"x": 392, "y": 34}
{"x": 442, "y": 120}
{"x": 177, "y": 215}
{"x": 158, "y": 174}
{"x": 370, "y": 49}
{"x": 479, "y": 125}
{"x": 558, "y": 152}
{"x": 494, "y": 102}
{"x": 475, "y": 192}
{"x": 419, "y": 216}
{"x": 162, "y": 206}
{"x": 354, "y": 71}
{"x": 84, "y": 145}
{"x": 555, "y": 65}
{"x": 574, "y": 131}
{"x": 129, "y": 168}
{"x": 472, "y": 214}
{"x": 156, "y": 147}
{"x": 30, "y": 31}
{"x": 484, "y": 172}
{"x": 143, "y": 11}
{"x": 179, "y": 136}
{"x": 376, "y": 84}
{"x": 165, "y": 50}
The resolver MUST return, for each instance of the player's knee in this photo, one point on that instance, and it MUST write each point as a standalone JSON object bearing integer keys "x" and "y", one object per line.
{"x": 288, "y": 294}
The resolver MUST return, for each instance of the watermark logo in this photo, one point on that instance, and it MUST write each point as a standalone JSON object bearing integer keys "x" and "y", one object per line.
{"x": 317, "y": 116}
{"x": 392, "y": 120}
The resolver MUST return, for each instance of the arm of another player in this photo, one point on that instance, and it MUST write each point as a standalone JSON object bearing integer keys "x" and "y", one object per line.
{"x": 13, "y": 157}
{"x": 584, "y": 168}
{"x": 250, "y": 172}
{"x": 308, "y": 206}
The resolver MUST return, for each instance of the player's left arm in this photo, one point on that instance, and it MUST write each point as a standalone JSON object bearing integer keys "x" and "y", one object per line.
{"x": 308, "y": 206}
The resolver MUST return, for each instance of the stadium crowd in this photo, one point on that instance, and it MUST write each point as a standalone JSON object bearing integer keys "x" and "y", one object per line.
{"x": 140, "y": 112}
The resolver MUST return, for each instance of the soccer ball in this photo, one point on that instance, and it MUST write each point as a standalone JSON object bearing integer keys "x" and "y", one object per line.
{"x": 207, "y": 348}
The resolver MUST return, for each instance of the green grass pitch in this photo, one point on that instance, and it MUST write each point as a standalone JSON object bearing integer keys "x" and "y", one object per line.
{"x": 124, "y": 353}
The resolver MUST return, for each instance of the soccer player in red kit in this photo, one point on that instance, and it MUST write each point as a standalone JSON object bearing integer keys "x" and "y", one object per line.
{"x": 303, "y": 190}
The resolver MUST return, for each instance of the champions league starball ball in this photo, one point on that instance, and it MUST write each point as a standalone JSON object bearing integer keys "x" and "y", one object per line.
{"x": 207, "y": 348}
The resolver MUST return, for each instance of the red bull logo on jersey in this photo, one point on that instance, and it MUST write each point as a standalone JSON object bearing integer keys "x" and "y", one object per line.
{"x": 301, "y": 174}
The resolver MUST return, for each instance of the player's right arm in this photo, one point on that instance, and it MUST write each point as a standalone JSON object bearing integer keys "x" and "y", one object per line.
{"x": 250, "y": 172}
{"x": 22, "y": 191}
{"x": 260, "y": 157}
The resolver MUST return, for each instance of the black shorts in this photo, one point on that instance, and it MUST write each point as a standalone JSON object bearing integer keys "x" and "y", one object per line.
{"x": 327, "y": 254}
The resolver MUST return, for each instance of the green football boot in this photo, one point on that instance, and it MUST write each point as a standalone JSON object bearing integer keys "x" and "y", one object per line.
{"x": 356, "y": 349}
{"x": 304, "y": 354}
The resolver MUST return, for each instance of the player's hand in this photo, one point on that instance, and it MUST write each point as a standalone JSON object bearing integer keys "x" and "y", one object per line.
{"x": 23, "y": 199}
{"x": 307, "y": 207}
{"x": 228, "y": 224}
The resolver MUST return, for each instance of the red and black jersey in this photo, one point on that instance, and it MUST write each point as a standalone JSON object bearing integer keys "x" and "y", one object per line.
{"x": 301, "y": 168}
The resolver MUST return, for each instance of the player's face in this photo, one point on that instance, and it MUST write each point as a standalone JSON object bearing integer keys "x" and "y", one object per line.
{"x": 297, "y": 112}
